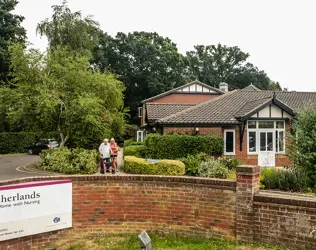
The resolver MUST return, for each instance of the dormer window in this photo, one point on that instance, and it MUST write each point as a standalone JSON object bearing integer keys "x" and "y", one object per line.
{"x": 140, "y": 112}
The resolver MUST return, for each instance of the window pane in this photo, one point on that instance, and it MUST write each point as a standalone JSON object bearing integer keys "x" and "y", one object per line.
{"x": 269, "y": 141}
{"x": 266, "y": 124}
{"x": 262, "y": 141}
{"x": 277, "y": 141}
{"x": 252, "y": 124}
{"x": 281, "y": 141}
{"x": 280, "y": 124}
{"x": 252, "y": 142}
{"x": 229, "y": 142}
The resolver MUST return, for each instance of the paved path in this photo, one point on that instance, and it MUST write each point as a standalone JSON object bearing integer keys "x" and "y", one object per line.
{"x": 11, "y": 166}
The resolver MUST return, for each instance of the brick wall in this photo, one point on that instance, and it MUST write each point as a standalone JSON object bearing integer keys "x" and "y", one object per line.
{"x": 280, "y": 159}
{"x": 191, "y": 206}
{"x": 130, "y": 204}
{"x": 285, "y": 219}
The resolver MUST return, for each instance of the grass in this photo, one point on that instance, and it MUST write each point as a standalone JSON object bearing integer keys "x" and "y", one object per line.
{"x": 170, "y": 242}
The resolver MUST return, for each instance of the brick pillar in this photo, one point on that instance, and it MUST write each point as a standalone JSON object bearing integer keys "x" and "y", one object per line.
{"x": 247, "y": 186}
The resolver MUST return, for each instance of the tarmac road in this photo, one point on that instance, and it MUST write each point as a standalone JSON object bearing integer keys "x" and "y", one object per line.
{"x": 11, "y": 166}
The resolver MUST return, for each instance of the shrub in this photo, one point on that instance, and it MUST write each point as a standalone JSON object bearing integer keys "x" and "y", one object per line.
{"x": 286, "y": 180}
{"x": 128, "y": 143}
{"x": 302, "y": 146}
{"x": 192, "y": 162}
{"x": 213, "y": 169}
{"x": 176, "y": 146}
{"x": 64, "y": 160}
{"x": 134, "y": 165}
{"x": 135, "y": 150}
{"x": 230, "y": 163}
{"x": 17, "y": 142}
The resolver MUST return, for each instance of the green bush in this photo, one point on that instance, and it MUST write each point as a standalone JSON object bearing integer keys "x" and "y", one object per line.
{"x": 128, "y": 143}
{"x": 176, "y": 146}
{"x": 192, "y": 163}
{"x": 213, "y": 169}
{"x": 230, "y": 163}
{"x": 135, "y": 150}
{"x": 286, "y": 180}
{"x": 134, "y": 165}
{"x": 69, "y": 161}
{"x": 18, "y": 142}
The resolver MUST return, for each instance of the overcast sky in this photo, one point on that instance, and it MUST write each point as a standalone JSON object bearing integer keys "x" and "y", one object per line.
{"x": 279, "y": 35}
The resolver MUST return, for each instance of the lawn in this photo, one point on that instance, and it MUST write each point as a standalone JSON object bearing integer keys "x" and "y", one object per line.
{"x": 127, "y": 242}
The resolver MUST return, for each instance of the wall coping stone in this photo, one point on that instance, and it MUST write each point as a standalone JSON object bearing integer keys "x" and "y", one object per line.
{"x": 220, "y": 183}
{"x": 247, "y": 170}
{"x": 292, "y": 199}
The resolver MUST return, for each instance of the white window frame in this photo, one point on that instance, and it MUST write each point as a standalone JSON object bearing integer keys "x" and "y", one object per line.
{"x": 140, "y": 112}
{"x": 257, "y": 130}
{"x": 234, "y": 143}
{"x": 140, "y": 135}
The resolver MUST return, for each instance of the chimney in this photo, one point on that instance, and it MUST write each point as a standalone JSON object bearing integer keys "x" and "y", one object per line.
{"x": 223, "y": 86}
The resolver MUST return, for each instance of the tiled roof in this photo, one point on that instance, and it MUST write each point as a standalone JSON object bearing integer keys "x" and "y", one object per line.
{"x": 159, "y": 111}
{"x": 183, "y": 86}
{"x": 252, "y": 105}
{"x": 251, "y": 88}
{"x": 224, "y": 108}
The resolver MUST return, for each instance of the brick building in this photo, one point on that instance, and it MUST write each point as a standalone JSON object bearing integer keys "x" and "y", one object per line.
{"x": 252, "y": 122}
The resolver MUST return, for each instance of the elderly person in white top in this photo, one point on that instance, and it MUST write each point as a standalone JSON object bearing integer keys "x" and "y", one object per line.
{"x": 105, "y": 151}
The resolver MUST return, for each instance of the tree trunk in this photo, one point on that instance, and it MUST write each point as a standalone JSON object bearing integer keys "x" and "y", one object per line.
{"x": 63, "y": 140}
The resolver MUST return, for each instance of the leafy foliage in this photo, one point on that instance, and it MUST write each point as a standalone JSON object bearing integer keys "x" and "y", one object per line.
{"x": 213, "y": 169}
{"x": 18, "y": 142}
{"x": 70, "y": 29}
{"x": 10, "y": 31}
{"x": 286, "y": 180}
{"x": 58, "y": 92}
{"x": 230, "y": 163}
{"x": 135, "y": 150}
{"x": 302, "y": 148}
{"x": 176, "y": 146}
{"x": 148, "y": 64}
{"x": 134, "y": 165}
{"x": 192, "y": 163}
{"x": 74, "y": 161}
{"x": 128, "y": 143}
{"x": 214, "y": 64}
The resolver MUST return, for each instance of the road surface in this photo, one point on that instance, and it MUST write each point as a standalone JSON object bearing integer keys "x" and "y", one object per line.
{"x": 10, "y": 163}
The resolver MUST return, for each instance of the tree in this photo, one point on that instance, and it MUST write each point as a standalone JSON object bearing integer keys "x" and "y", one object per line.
{"x": 10, "y": 31}
{"x": 302, "y": 148}
{"x": 71, "y": 29}
{"x": 214, "y": 64}
{"x": 56, "y": 91}
{"x": 148, "y": 64}
{"x": 274, "y": 86}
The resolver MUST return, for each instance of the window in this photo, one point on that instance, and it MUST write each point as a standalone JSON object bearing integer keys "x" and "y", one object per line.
{"x": 140, "y": 112}
{"x": 266, "y": 136}
{"x": 140, "y": 135}
{"x": 252, "y": 142}
{"x": 229, "y": 141}
{"x": 266, "y": 124}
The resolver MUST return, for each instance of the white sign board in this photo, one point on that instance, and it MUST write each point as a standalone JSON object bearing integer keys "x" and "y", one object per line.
{"x": 266, "y": 159}
{"x": 35, "y": 207}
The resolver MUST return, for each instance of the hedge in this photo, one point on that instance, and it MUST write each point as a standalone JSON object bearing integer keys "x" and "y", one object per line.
{"x": 128, "y": 143}
{"x": 17, "y": 142}
{"x": 136, "y": 150}
{"x": 177, "y": 146}
{"x": 135, "y": 165}
{"x": 69, "y": 161}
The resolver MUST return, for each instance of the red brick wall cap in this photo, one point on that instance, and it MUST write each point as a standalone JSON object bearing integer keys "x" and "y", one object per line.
{"x": 247, "y": 170}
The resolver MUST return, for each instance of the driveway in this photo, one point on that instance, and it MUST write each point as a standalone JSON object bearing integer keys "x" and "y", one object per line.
{"x": 10, "y": 163}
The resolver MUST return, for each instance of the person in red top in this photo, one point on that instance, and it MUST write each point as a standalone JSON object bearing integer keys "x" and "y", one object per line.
{"x": 114, "y": 153}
